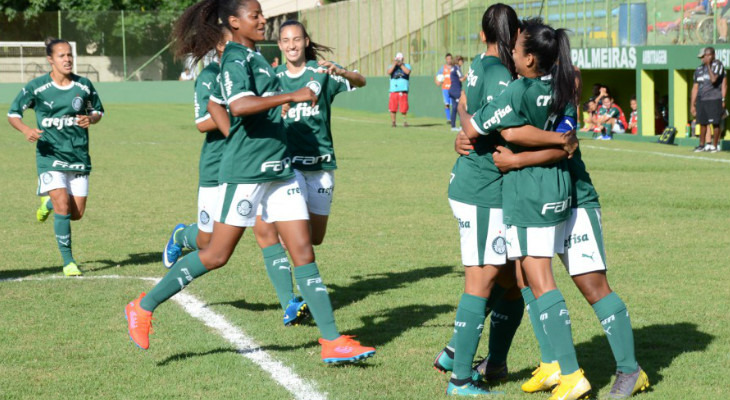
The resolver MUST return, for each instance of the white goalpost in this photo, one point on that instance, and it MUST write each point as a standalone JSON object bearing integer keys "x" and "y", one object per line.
{"x": 23, "y": 53}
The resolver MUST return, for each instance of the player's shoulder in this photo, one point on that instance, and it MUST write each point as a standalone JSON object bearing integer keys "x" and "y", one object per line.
{"x": 237, "y": 53}
{"x": 39, "y": 81}
{"x": 210, "y": 70}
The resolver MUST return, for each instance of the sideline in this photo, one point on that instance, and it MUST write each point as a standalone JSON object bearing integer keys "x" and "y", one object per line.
{"x": 245, "y": 345}
{"x": 658, "y": 153}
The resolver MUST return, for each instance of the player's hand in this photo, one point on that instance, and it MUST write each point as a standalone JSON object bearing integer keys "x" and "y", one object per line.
{"x": 304, "y": 94}
{"x": 331, "y": 68}
{"x": 32, "y": 134}
{"x": 462, "y": 144}
{"x": 693, "y": 110}
{"x": 285, "y": 109}
{"x": 504, "y": 159}
{"x": 83, "y": 121}
{"x": 570, "y": 144}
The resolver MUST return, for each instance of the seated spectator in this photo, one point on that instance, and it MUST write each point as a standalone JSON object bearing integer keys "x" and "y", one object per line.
{"x": 589, "y": 114}
{"x": 609, "y": 118}
{"x": 634, "y": 119}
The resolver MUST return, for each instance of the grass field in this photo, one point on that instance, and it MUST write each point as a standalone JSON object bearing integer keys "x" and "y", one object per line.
{"x": 390, "y": 260}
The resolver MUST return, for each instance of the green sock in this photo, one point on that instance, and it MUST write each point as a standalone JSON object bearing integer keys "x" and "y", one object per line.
{"x": 614, "y": 317}
{"x": 497, "y": 293}
{"x": 187, "y": 237}
{"x": 467, "y": 331}
{"x": 279, "y": 271}
{"x": 556, "y": 322}
{"x": 506, "y": 318}
{"x": 179, "y": 276}
{"x": 62, "y": 229}
{"x": 318, "y": 300}
{"x": 49, "y": 204}
{"x": 547, "y": 355}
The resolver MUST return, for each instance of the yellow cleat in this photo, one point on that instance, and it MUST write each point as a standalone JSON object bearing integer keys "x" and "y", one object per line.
{"x": 42, "y": 212}
{"x": 572, "y": 387}
{"x": 543, "y": 378}
{"x": 71, "y": 270}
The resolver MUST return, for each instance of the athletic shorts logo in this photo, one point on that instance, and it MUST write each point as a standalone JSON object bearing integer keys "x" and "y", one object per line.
{"x": 204, "y": 217}
{"x": 47, "y": 178}
{"x": 315, "y": 86}
{"x": 244, "y": 208}
{"x": 77, "y": 103}
{"x": 499, "y": 245}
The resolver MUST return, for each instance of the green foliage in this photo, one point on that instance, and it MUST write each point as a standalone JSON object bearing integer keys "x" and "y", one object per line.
{"x": 390, "y": 261}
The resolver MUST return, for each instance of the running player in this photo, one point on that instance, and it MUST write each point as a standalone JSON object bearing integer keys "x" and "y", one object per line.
{"x": 65, "y": 106}
{"x": 310, "y": 146}
{"x": 536, "y": 199}
{"x": 254, "y": 170}
{"x": 475, "y": 196}
{"x": 197, "y": 236}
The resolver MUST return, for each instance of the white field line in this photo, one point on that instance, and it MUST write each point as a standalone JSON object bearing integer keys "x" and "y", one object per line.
{"x": 659, "y": 153}
{"x": 245, "y": 346}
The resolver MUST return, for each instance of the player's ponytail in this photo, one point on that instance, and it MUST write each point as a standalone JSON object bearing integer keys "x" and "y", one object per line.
{"x": 51, "y": 42}
{"x": 500, "y": 24}
{"x": 314, "y": 50}
{"x": 551, "y": 48}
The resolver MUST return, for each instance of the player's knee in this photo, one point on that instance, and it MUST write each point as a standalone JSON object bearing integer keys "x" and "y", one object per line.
{"x": 214, "y": 260}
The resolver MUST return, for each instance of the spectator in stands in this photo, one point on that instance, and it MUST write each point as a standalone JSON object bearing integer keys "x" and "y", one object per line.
{"x": 702, "y": 7}
{"x": 589, "y": 114}
{"x": 186, "y": 75}
{"x": 634, "y": 120}
{"x": 722, "y": 22}
{"x": 399, "y": 73}
{"x": 443, "y": 80}
{"x": 708, "y": 97}
{"x": 610, "y": 119}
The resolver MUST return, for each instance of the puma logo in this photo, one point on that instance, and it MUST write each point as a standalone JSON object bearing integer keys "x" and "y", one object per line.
{"x": 589, "y": 256}
{"x": 263, "y": 71}
{"x": 207, "y": 84}
{"x": 50, "y": 105}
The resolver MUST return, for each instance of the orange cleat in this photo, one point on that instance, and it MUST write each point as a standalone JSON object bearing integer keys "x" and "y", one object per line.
{"x": 344, "y": 349}
{"x": 139, "y": 322}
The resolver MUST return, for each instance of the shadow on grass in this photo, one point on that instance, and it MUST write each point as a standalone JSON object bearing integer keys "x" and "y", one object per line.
{"x": 86, "y": 266}
{"x": 656, "y": 347}
{"x": 185, "y": 356}
{"x": 244, "y": 305}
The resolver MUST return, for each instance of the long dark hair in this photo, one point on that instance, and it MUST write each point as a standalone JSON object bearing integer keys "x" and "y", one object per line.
{"x": 51, "y": 42}
{"x": 551, "y": 48}
{"x": 500, "y": 24}
{"x": 198, "y": 30}
{"x": 314, "y": 50}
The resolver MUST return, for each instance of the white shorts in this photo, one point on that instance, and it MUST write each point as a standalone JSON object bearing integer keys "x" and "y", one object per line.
{"x": 534, "y": 241}
{"x": 75, "y": 183}
{"x": 482, "y": 234}
{"x": 279, "y": 201}
{"x": 208, "y": 200}
{"x": 583, "y": 245}
{"x": 617, "y": 128}
{"x": 317, "y": 188}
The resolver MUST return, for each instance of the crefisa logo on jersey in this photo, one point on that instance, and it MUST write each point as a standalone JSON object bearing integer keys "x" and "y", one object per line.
{"x": 499, "y": 245}
{"x": 77, "y": 103}
{"x": 315, "y": 86}
{"x": 244, "y": 208}
{"x": 204, "y": 217}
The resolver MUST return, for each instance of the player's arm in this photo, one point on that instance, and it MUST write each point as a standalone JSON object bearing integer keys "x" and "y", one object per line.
{"x": 250, "y": 105}
{"x": 23, "y": 101}
{"x": 693, "y": 100}
{"x": 506, "y": 160}
{"x": 218, "y": 118}
{"x": 530, "y": 136}
{"x": 354, "y": 77}
{"x": 31, "y": 134}
{"x": 94, "y": 109}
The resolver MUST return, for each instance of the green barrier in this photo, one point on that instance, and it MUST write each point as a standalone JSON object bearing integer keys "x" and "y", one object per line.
{"x": 150, "y": 92}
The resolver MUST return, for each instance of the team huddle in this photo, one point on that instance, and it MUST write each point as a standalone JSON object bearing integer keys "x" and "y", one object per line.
{"x": 519, "y": 189}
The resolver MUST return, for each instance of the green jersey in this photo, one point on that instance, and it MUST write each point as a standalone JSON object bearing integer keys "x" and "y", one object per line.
{"x": 475, "y": 179}
{"x": 308, "y": 128}
{"x": 585, "y": 195}
{"x": 535, "y": 196}
{"x": 63, "y": 146}
{"x": 210, "y": 155}
{"x": 255, "y": 149}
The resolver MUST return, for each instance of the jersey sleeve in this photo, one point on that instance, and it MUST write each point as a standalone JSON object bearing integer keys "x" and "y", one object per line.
{"x": 718, "y": 69}
{"x": 204, "y": 86}
{"x": 503, "y": 112}
{"x": 237, "y": 79}
{"x": 93, "y": 103}
{"x": 23, "y": 101}
{"x": 614, "y": 112}
{"x": 216, "y": 94}
{"x": 338, "y": 84}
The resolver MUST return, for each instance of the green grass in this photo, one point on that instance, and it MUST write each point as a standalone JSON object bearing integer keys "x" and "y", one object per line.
{"x": 390, "y": 260}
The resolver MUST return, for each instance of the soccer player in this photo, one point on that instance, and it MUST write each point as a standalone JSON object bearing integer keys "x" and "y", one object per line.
{"x": 196, "y": 236}
{"x": 254, "y": 171}
{"x": 311, "y": 149}
{"x": 475, "y": 197}
{"x": 65, "y": 106}
{"x": 536, "y": 200}
{"x": 609, "y": 116}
